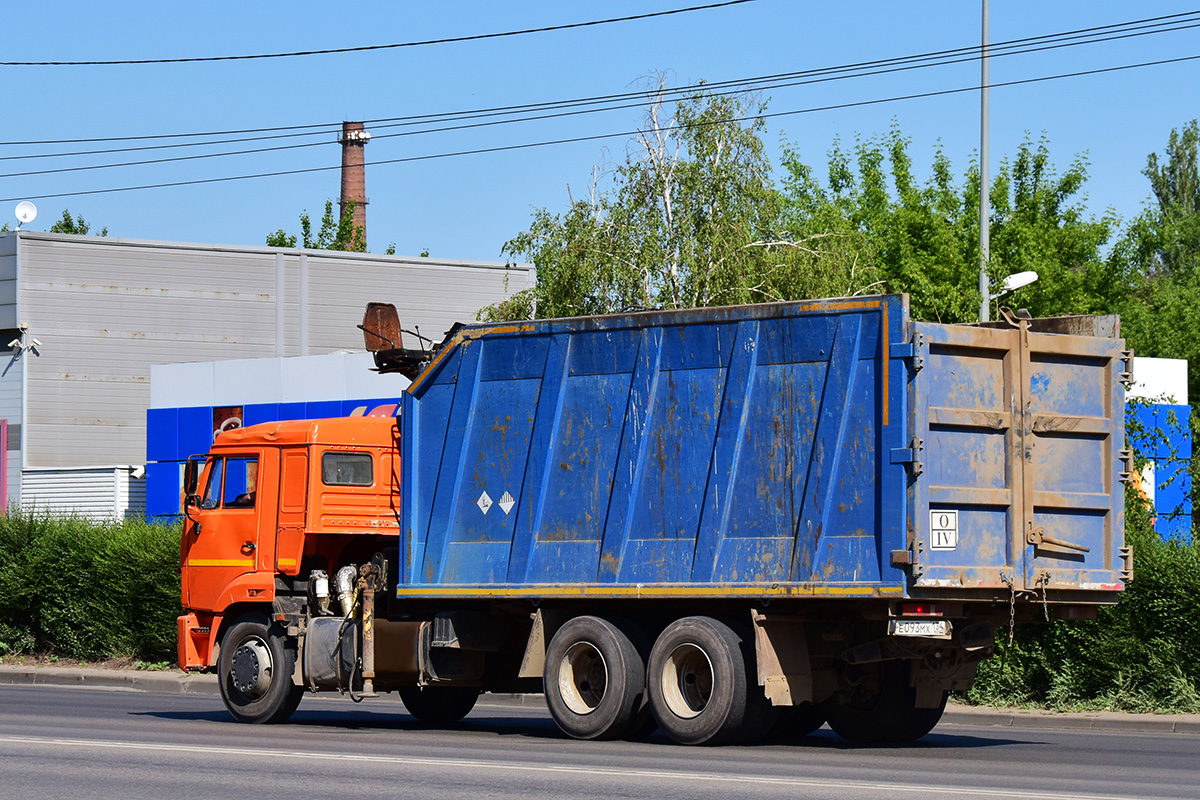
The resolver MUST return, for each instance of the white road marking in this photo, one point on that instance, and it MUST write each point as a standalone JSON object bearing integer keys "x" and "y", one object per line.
{"x": 668, "y": 775}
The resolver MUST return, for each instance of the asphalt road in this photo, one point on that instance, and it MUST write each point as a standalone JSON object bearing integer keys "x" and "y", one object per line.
{"x": 98, "y": 743}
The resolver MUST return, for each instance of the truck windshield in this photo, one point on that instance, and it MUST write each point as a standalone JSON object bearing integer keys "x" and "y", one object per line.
{"x": 212, "y": 490}
{"x": 232, "y": 482}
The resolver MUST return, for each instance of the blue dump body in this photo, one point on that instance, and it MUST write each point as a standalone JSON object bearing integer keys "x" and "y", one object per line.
{"x": 828, "y": 448}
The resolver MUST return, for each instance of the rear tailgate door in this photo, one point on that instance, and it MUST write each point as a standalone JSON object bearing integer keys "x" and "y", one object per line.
{"x": 1022, "y": 432}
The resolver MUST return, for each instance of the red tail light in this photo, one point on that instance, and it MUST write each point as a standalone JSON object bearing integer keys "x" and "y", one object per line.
{"x": 919, "y": 610}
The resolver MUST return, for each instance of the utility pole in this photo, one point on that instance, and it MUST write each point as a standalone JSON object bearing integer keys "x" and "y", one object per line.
{"x": 985, "y": 210}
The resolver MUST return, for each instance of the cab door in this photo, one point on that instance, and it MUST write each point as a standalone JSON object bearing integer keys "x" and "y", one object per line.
{"x": 221, "y": 539}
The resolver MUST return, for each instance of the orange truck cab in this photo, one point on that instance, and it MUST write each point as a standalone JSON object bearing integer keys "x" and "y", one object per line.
{"x": 271, "y": 514}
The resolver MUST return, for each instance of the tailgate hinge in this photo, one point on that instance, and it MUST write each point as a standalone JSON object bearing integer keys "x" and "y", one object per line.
{"x": 910, "y": 558}
{"x": 910, "y": 349}
{"x": 910, "y": 455}
{"x": 1126, "y": 375}
{"x": 1126, "y": 553}
{"x": 1127, "y": 459}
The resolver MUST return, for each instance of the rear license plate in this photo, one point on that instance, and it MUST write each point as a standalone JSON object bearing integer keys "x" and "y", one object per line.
{"x": 919, "y": 627}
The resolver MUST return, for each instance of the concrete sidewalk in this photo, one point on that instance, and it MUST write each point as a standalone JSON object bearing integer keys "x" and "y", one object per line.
{"x": 174, "y": 682}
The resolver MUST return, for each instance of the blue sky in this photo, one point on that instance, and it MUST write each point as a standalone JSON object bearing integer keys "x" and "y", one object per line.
{"x": 466, "y": 207}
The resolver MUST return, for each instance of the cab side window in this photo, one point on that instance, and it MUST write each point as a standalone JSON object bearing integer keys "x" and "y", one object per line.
{"x": 241, "y": 481}
{"x": 347, "y": 469}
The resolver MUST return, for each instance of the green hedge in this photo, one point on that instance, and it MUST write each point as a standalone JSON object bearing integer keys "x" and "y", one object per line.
{"x": 97, "y": 591}
{"x": 1142, "y": 654}
{"x": 85, "y": 590}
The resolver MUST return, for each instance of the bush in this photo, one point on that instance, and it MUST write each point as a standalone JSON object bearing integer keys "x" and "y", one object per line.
{"x": 85, "y": 590}
{"x": 1142, "y": 654}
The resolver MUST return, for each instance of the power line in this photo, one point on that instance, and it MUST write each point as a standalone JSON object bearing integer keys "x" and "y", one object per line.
{"x": 748, "y": 84}
{"x": 597, "y": 137}
{"x": 1142, "y": 23}
{"x": 367, "y": 48}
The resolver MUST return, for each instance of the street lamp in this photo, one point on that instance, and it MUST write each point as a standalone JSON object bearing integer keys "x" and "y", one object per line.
{"x": 1014, "y": 282}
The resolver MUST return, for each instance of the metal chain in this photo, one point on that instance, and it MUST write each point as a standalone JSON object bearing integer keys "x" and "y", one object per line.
{"x": 1012, "y": 616}
{"x": 1044, "y": 581}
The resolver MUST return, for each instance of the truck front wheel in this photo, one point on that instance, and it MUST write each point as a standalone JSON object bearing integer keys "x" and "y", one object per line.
{"x": 594, "y": 680}
{"x": 697, "y": 682}
{"x": 255, "y": 673}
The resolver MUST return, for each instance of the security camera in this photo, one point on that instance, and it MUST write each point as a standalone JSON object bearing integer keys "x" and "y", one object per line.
{"x": 14, "y": 344}
{"x": 36, "y": 342}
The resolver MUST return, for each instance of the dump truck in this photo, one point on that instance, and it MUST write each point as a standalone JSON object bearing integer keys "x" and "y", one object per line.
{"x": 712, "y": 522}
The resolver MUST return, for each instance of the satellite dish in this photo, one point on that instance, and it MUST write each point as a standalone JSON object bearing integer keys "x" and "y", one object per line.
{"x": 26, "y": 212}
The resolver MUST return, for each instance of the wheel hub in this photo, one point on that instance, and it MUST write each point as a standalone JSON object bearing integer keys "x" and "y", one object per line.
{"x": 687, "y": 681}
{"x": 582, "y": 678}
{"x": 251, "y": 669}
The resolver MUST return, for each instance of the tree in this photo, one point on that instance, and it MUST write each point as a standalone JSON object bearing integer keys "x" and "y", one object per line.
{"x": 1154, "y": 262}
{"x": 691, "y": 218}
{"x": 78, "y": 225}
{"x": 339, "y": 234}
{"x": 1175, "y": 182}
{"x": 923, "y": 238}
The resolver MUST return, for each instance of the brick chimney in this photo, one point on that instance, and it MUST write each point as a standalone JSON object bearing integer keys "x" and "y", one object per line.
{"x": 354, "y": 178}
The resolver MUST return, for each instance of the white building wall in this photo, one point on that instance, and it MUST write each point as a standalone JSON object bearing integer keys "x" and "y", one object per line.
{"x": 98, "y": 493}
{"x": 1160, "y": 380}
{"x": 106, "y": 310}
{"x": 334, "y": 376}
{"x": 12, "y": 367}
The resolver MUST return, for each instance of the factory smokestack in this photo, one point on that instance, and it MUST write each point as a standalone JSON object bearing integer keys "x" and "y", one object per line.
{"x": 354, "y": 178}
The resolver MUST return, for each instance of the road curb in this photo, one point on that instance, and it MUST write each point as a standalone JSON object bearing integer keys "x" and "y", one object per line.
{"x": 172, "y": 682}
{"x": 166, "y": 682}
{"x": 1089, "y": 720}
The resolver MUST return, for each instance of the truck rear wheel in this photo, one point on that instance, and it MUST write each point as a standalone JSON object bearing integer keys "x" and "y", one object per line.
{"x": 697, "y": 682}
{"x": 255, "y": 672}
{"x": 798, "y": 721}
{"x": 439, "y": 705}
{"x": 883, "y": 710}
{"x": 594, "y": 679}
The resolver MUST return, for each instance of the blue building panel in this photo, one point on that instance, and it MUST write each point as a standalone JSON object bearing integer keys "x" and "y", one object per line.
{"x": 260, "y": 412}
{"x": 1142, "y": 428}
{"x": 1175, "y": 423}
{"x": 162, "y": 434}
{"x": 163, "y": 486}
{"x": 323, "y": 409}
{"x": 195, "y": 430}
{"x": 290, "y": 411}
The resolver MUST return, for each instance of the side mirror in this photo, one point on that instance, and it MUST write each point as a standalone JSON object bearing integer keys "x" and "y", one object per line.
{"x": 191, "y": 479}
{"x": 191, "y": 476}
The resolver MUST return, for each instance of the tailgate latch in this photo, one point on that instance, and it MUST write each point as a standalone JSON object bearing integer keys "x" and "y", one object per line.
{"x": 1036, "y": 536}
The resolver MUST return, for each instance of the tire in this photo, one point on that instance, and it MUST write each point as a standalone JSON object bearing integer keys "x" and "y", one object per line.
{"x": 797, "y": 721}
{"x": 594, "y": 680}
{"x": 255, "y": 672}
{"x": 697, "y": 682}
{"x": 439, "y": 705}
{"x": 884, "y": 711}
